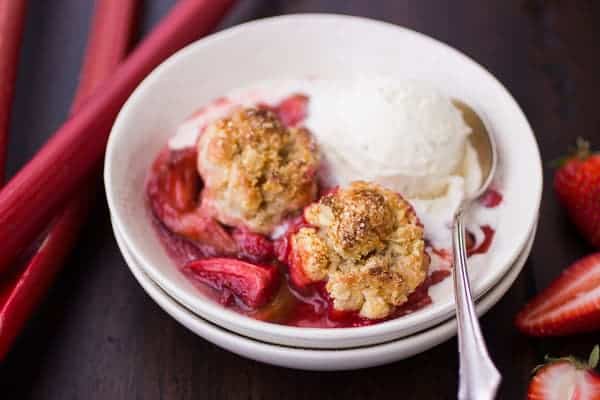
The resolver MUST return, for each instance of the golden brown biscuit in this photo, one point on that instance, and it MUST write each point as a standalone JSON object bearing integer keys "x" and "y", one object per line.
{"x": 255, "y": 170}
{"x": 368, "y": 243}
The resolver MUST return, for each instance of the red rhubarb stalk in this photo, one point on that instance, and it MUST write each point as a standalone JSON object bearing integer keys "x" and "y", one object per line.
{"x": 108, "y": 43}
{"x": 35, "y": 194}
{"x": 12, "y": 18}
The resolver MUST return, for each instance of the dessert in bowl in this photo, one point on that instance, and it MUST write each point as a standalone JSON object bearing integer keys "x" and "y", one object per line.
{"x": 297, "y": 204}
{"x": 334, "y": 181}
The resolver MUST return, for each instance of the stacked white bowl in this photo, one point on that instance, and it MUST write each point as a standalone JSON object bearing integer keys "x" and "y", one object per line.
{"x": 324, "y": 46}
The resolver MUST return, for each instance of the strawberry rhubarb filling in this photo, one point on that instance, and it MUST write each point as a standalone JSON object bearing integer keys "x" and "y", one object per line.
{"x": 255, "y": 212}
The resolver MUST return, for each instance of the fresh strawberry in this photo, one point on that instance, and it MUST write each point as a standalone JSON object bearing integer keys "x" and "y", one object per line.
{"x": 253, "y": 284}
{"x": 566, "y": 379}
{"x": 293, "y": 109}
{"x": 253, "y": 246}
{"x": 577, "y": 184}
{"x": 571, "y": 304}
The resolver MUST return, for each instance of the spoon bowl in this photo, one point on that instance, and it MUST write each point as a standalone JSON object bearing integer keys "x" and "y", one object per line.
{"x": 484, "y": 144}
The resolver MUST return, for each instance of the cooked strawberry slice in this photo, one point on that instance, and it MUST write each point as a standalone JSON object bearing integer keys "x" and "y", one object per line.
{"x": 297, "y": 255}
{"x": 293, "y": 109}
{"x": 252, "y": 284}
{"x": 253, "y": 246}
{"x": 296, "y": 270}
{"x": 175, "y": 182}
{"x": 566, "y": 379}
{"x": 205, "y": 231}
{"x": 173, "y": 191}
{"x": 571, "y": 304}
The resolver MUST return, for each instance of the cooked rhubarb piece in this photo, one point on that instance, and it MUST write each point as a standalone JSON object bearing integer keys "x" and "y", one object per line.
{"x": 256, "y": 170}
{"x": 293, "y": 109}
{"x": 252, "y": 284}
{"x": 367, "y": 243}
{"x": 173, "y": 190}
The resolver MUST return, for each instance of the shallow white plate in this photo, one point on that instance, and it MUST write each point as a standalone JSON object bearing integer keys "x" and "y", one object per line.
{"x": 314, "y": 45}
{"x": 311, "y": 359}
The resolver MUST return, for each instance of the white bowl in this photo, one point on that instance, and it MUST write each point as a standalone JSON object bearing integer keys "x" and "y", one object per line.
{"x": 320, "y": 360}
{"x": 325, "y": 46}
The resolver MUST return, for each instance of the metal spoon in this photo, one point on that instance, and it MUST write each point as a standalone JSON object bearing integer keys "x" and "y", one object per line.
{"x": 478, "y": 377}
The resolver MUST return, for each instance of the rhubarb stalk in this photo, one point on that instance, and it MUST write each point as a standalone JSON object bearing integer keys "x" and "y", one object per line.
{"x": 12, "y": 19}
{"x": 108, "y": 43}
{"x": 35, "y": 194}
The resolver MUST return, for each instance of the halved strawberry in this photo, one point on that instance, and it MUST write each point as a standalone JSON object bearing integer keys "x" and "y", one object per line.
{"x": 571, "y": 304}
{"x": 293, "y": 109}
{"x": 253, "y": 284}
{"x": 566, "y": 379}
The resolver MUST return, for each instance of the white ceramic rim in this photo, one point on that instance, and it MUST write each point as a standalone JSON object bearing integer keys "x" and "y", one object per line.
{"x": 313, "y": 359}
{"x": 319, "y": 337}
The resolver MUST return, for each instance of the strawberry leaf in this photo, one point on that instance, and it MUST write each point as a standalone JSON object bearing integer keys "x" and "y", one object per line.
{"x": 582, "y": 148}
{"x": 594, "y": 356}
{"x": 581, "y": 151}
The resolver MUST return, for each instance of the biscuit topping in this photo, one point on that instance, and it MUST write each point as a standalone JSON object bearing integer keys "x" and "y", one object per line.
{"x": 255, "y": 169}
{"x": 366, "y": 241}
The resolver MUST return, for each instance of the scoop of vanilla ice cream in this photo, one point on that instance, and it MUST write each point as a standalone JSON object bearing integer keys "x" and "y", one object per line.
{"x": 404, "y": 135}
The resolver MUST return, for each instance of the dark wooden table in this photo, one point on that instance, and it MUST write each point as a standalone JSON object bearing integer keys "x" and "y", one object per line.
{"x": 99, "y": 336}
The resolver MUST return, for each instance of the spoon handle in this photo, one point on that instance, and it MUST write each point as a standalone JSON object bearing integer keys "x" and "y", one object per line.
{"x": 478, "y": 377}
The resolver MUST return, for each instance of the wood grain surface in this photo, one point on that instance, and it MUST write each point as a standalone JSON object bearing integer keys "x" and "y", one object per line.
{"x": 99, "y": 336}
